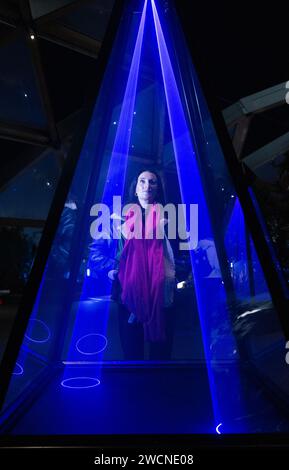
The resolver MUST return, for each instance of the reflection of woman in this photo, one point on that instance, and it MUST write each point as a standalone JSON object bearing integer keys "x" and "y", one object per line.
{"x": 146, "y": 274}
{"x": 59, "y": 264}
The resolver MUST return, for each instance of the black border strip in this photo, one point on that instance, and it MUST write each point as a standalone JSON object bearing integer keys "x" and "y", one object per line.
{"x": 130, "y": 441}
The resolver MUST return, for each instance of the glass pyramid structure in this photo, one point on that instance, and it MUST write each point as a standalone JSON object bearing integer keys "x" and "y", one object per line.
{"x": 150, "y": 112}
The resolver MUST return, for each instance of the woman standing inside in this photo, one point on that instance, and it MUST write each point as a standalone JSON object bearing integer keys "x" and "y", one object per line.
{"x": 146, "y": 274}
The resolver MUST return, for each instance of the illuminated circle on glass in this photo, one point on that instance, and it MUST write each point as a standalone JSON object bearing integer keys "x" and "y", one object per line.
{"x": 218, "y": 428}
{"x": 45, "y": 327}
{"x": 18, "y": 369}
{"x": 80, "y": 382}
{"x": 98, "y": 350}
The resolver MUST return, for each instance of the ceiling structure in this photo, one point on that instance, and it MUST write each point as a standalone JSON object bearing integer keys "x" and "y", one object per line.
{"x": 270, "y": 105}
{"x": 43, "y": 47}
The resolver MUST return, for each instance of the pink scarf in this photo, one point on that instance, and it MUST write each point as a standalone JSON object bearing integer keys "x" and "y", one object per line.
{"x": 141, "y": 271}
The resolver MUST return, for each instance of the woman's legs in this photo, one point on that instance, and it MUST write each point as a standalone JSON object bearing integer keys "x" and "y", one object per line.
{"x": 162, "y": 350}
{"x": 131, "y": 336}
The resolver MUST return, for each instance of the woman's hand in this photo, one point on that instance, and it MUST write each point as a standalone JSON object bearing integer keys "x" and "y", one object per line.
{"x": 112, "y": 274}
{"x": 163, "y": 222}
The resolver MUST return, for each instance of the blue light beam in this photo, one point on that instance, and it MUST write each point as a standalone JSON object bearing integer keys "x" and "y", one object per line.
{"x": 189, "y": 180}
{"x": 115, "y": 179}
{"x": 118, "y": 162}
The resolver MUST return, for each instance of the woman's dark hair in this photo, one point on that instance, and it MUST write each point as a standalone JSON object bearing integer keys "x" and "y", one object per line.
{"x": 160, "y": 194}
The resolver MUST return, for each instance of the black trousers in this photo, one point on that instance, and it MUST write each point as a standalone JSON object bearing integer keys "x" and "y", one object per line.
{"x": 132, "y": 337}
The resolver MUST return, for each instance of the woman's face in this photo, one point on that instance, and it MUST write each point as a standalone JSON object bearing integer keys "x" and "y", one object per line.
{"x": 147, "y": 187}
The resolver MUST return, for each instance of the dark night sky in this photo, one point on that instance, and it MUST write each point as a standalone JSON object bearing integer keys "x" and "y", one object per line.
{"x": 243, "y": 50}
